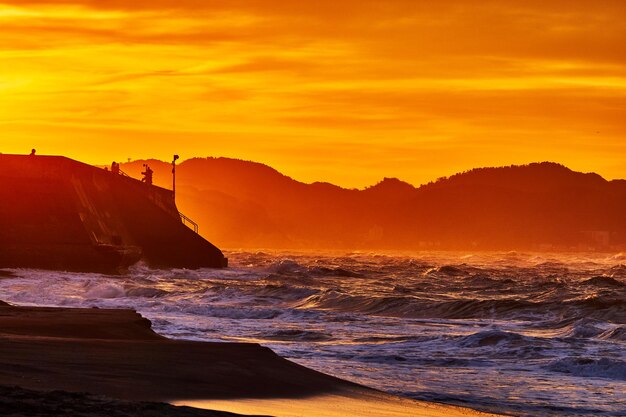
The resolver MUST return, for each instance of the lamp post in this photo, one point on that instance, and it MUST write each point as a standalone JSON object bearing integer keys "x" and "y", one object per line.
{"x": 174, "y": 177}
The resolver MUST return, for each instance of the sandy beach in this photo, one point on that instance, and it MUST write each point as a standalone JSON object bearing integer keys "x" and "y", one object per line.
{"x": 114, "y": 354}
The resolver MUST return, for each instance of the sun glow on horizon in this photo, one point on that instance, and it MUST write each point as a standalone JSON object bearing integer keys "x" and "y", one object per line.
{"x": 345, "y": 92}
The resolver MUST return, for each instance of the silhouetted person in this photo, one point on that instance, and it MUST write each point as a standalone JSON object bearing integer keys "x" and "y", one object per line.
{"x": 115, "y": 168}
{"x": 33, "y": 151}
{"x": 147, "y": 175}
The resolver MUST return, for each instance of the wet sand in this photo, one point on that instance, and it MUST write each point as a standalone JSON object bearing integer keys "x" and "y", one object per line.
{"x": 348, "y": 402}
{"x": 115, "y": 353}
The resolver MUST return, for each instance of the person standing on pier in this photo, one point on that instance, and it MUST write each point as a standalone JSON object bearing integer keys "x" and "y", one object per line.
{"x": 147, "y": 175}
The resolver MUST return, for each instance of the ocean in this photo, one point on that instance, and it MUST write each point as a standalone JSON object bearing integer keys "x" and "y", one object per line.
{"x": 522, "y": 333}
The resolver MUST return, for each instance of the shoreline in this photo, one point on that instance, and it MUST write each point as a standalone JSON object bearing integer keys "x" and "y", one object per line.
{"x": 116, "y": 354}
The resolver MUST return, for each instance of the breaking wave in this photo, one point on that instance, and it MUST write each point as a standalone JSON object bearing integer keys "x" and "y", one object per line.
{"x": 413, "y": 307}
{"x": 492, "y": 338}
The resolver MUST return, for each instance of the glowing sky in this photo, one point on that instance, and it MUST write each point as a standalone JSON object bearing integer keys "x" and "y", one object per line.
{"x": 345, "y": 91}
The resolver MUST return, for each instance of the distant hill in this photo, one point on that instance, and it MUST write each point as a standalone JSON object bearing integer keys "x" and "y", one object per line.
{"x": 242, "y": 204}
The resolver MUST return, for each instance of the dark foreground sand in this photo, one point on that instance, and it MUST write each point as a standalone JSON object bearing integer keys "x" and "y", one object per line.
{"x": 115, "y": 353}
{"x": 20, "y": 402}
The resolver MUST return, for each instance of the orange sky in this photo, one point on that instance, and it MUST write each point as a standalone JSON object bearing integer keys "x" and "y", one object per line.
{"x": 345, "y": 91}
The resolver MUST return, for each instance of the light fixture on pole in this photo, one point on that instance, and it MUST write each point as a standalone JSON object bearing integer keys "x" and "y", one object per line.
{"x": 174, "y": 177}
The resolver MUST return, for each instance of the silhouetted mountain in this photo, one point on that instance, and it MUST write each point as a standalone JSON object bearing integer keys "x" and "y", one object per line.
{"x": 391, "y": 189}
{"x": 537, "y": 206}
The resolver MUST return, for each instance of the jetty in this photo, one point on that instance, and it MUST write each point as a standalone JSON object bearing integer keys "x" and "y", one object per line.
{"x": 60, "y": 214}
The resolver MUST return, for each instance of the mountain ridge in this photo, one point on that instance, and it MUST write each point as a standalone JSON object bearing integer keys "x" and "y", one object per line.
{"x": 223, "y": 162}
{"x": 537, "y": 206}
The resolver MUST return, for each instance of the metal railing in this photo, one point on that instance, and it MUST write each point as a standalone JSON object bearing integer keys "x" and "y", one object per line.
{"x": 123, "y": 174}
{"x": 188, "y": 222}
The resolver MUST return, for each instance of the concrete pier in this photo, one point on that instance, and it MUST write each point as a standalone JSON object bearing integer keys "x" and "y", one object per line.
{"x": 57, "y": 213}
